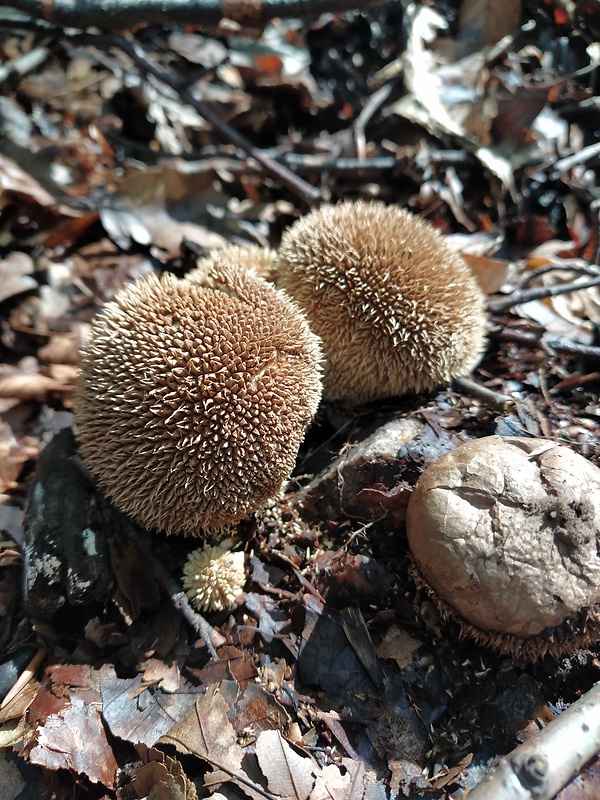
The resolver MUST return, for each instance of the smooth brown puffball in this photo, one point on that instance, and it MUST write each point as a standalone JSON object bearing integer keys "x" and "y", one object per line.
{"x": 192, "y": 401}
{"x": 505, "y": 536}
{"x": 250, "y": 258}
{"x": 397, "y": 310}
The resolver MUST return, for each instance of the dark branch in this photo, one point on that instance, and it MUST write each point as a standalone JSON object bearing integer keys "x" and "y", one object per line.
{"x": 115, "y": 14}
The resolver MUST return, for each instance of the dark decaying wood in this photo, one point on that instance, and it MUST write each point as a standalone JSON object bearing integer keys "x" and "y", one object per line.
{"x": 66, "y": 551}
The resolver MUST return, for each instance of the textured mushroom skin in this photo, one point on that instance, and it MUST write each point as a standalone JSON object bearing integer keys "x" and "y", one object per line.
{"x": 250, "y": 258}
{"x": 192, "y": 402}
{"x": 213, "y": 577}
{"x": 507, "y": 532}
{"x": 397, "y": 310}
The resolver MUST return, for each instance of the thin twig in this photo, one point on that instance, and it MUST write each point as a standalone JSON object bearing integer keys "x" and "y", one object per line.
{"x": 541, "y": 766}
{"x": 372, "y": 105}
{"x": 492, "y": 399}
{"x": 25, "y": 63}
{"x": 582, "y": 269}
{"x": 565, "y": 164}
{"x": 539, "y": 292}
{"x": 586, "y": 352}
{"x": 24, "y": 678}
{"x": 311, "y": 162}
{"x": 310, "y": 194}
{"x": 178, "y": 598}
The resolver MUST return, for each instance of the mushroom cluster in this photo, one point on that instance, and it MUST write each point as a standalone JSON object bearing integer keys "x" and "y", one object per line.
{"x": 192, "y": 401}
{"x": 505, "y": 537}
{"x": 397, "y": 310}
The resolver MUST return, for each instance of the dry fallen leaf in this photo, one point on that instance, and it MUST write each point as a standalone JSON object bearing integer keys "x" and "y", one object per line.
{"x": 75, "y": 739}
{"x": 207, "y": 733}
{"x": 289, "y": 775}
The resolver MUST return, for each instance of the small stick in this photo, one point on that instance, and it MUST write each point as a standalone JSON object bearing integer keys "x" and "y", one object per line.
{"x": 303, "y": 582}
{"x": 370, "y": 108}
{"x": 495, "y": 400}
{"x": 587, "y": 352}
{"x": 24, "y": 678}
{"x": 311, "y": 162}
{"x": 538, "y": 292}
{"x": 541, "y": 766}
{"x": 178, "y": 598}
{"x": 565, "y": 164}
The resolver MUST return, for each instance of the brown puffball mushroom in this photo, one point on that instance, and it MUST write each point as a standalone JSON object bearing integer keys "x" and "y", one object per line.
{"x": 192, "y": 402}
{"x": 248, "y": 257}
{"x": 213, "y": 577}
{"x": 505, "y": 536}
{"x": 397, "y": 310}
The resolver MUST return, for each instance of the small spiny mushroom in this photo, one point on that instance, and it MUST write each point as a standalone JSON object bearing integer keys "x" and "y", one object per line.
{"x": 192, "y": 401}
{"x": 213, "y": 577}
{"x": 397, "y": 310}
{"x": 250, "y": 258}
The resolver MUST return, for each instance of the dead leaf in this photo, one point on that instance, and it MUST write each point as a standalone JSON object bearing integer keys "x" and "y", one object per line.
{"x": 289, "y": 775}
{"x": 16, "y": 275}
{"x": 163, "y": 206}
{"x": 136, "y": 714}
{"x": 399, "y": 645}
{"x": 75, "y": 739}
{"x": 207, "y": 733}
{"x": 160, "y": 778}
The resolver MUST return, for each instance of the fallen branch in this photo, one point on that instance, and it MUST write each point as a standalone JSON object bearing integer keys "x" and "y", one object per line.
{"x": 541, "y": 766}
{"x": 115, "y": 14}
{"x": 539, "y": 292}
{"x": 586, "y": 352}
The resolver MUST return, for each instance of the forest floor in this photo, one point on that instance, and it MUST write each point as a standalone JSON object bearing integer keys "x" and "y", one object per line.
{"x": 125, "y": 154}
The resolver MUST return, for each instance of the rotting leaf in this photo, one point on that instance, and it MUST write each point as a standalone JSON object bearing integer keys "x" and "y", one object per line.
{"x": 163, "y": 206}
{"x": 258, "y": 710}
{"x": 75, "y": 739}
{"x": 15, "y": 275}
{"x": 291, "y": 776}
{"x": 159, "y": 778}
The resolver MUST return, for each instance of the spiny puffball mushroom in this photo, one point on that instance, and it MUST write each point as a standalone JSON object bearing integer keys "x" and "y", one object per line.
{"x": 192, "y": 402}
{"x": 505, "y": 536}
{"x": 248, "y": 257}
{"x": 397, "y": 310}
{"x": 213, "y": 577}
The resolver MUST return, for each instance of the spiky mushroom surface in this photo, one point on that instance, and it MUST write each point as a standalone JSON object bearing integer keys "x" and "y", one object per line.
{"x": 397, "y": 310}
{"x": 213, "y": 577}
{"x": 505, "y": 536}
{"x": 192, "y": 402}
{"x": 250, "y": 258}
